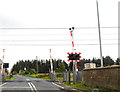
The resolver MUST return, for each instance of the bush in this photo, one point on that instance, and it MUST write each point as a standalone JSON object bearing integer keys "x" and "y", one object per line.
{"x": 59, "y": 75}
{"x": 26, "y": 72}
{"x": 32, "y": 71}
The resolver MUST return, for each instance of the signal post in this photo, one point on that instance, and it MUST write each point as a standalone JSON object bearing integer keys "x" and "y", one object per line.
{"x": 74, "y": 57}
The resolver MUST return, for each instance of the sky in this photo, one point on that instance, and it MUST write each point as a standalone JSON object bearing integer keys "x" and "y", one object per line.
{"x": 50, "y": 21}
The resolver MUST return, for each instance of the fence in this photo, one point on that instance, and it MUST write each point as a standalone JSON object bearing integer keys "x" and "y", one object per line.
{"x": 68, "y": 76}
{"x": 56, "y": 76}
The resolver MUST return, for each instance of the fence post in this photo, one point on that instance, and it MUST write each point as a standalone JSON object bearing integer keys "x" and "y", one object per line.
{"x": 65, "y": 77}
{"x": 79, "y": 76}
{"x": 69, "y": 77}
{"x": 52, "y": 76}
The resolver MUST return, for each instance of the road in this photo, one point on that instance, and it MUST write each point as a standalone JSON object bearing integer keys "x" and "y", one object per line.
{"x": 27, "y": 84}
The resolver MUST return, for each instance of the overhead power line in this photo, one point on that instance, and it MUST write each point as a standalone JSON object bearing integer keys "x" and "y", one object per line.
{"x": 56, "y": 34}
{"x": 53, "y": 44}
{"x": 53, "y": 40}
{"x": 34, "y": 28}
{"x": 61, "y": 28}
{"x": 94, "y": 27}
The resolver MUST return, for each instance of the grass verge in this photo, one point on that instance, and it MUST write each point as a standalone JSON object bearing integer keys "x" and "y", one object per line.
{"x": 41, "y": 76}
{"x": 79, "y": 86}
{"x": 90, "y": 89}
{"x": 11, "y": 78}
{"x": 58, "y": 78}
{"x": 46, "y": 78}
{"x": 31, "y": 75}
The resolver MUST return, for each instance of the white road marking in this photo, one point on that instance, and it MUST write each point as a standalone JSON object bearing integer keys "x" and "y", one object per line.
{"x": 74, "y": 89}
{"x": 28, "y": 79}
{"x": 3, "y": 84}
{"x": 15, "y": 87}
{"x": 58, "y": 85}
{"x": 32, "y": 86}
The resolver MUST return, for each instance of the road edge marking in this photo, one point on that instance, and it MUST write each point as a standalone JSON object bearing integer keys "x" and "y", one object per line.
{"x": 58, "y": 85}
{"x": 27, "y": 79}
{"x": 3, "y": 84}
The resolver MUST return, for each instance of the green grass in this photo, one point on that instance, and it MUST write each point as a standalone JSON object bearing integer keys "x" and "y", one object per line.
{"x": 106, "y": 90}
{"x": 47, "y": 78}
{"x": 41, "y": 76}
{"x": 84, "y": 87}
{"x": 11, "y": 78}
{"x": 58, "y": 78}
{"x": 37, "y": 76}
{"x": 32, "y": 75}
{"x": 78, "y": 85}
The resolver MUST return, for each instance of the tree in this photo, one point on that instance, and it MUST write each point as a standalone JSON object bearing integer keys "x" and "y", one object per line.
{"x": 107, "y": 61}
{"x": 81, "y": 65}
{"x": 61, "y": 67}
{"x": 6, "y": 70}
{"x": 117, "y": 61}
{"x": 71, "y": 66}
{"x": 58, "y": 65}
{"x": 66, "y": 65}
{"x": 32, "y": 71}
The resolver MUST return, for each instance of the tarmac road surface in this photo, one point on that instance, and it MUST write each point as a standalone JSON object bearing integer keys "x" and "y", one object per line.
{"x": 27, "y": 84}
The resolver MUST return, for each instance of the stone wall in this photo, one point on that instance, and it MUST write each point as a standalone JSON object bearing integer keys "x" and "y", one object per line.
{"x": 106, "y": 77}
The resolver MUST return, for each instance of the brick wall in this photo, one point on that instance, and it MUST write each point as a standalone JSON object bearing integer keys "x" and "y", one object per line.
{"x": 106, "y": 77}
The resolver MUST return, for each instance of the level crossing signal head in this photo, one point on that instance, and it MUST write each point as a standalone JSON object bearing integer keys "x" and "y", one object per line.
{"x": 6, "y": 65}
{"x": 74, "y": 57}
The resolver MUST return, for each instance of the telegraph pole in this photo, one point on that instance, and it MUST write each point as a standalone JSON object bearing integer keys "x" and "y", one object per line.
{"x": 99, "y": 33}
{"x": 3, "y": 69}
{"x": 52, "y": 74}
{"x": 37, "y": 64}
{"x": 51, "y": 64}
